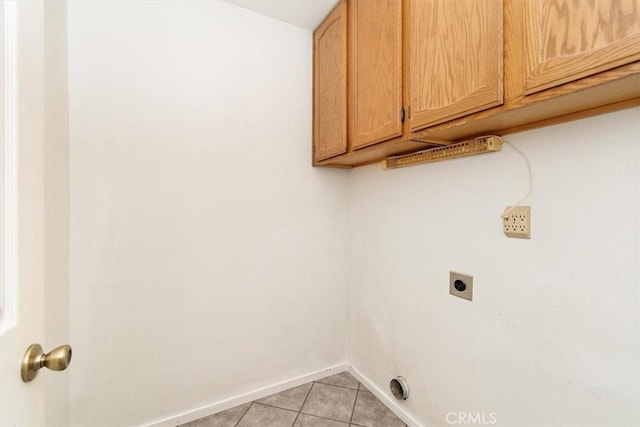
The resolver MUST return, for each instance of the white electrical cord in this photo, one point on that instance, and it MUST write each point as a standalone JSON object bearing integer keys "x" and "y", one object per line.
{"x": 526, "y": 160}
{"x": 507, "y": 212}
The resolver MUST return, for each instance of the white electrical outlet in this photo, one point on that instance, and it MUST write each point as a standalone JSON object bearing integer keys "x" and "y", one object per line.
{"x": 516, "y": 222}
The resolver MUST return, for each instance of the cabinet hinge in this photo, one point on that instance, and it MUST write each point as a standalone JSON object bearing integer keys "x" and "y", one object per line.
{"x": 402, "y": 115}
{"x": 409, "y": 111}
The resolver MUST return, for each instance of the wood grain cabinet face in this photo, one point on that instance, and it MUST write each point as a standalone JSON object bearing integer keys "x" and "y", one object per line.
{"x": 330, "y": 86}
{"x": 455, "y": 58}
{"x": 375, "y": 71}
{"x": 463, "y": 68}
{"x": 570, "y": 39}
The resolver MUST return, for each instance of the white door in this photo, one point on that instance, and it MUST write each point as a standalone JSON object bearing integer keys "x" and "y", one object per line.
{"x": 24, "y": 294}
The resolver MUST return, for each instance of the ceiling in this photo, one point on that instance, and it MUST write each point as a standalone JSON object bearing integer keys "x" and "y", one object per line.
{"x": 302, "y": 13}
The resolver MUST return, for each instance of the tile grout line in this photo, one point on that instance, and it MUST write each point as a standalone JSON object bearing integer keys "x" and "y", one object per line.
{"x": 320, "y": 416}
{"x": 327, "y": 418}
{"x": 353, "y": 410}
{"x": 276, "y": 407}
{"x": 245, "y": 413}
{"x": 341, "y": 386}
{"x": 303, "y": 402}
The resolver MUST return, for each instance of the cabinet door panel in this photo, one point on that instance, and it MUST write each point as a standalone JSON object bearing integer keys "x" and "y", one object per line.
{"x": 330, "y": 86}
{"x": 567, "y": 39}
{"x": 455, "y": 58}
{"x": 375, "y": 71}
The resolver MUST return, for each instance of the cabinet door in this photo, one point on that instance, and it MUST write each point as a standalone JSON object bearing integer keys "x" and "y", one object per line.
{"x": 568, "y": 39}
{"x": 375, "y": 71}
{"x": 455, "y": 58}
{"x": 330, "y": 86}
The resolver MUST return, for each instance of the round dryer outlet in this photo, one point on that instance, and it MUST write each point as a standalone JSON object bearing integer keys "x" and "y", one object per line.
{"x": 399, "y": 388}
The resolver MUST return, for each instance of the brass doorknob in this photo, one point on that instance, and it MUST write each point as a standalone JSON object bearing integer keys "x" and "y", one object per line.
{"x": 57, "y": 360}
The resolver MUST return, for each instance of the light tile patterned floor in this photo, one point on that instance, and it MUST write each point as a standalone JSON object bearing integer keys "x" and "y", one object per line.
{"x": 336, "y": 401}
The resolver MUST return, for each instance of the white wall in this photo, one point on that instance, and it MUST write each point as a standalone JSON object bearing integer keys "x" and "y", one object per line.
{"x": 553, "y": 334}
{"x": 208, "y": 257}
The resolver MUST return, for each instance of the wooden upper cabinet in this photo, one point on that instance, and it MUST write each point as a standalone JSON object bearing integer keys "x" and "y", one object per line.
{"x": 464, "y": 68}
{"x": 375, "y": 71}
{"x": 330, "y": 86}
{"x": 455, "y": 58}
{"x": 567, "y": 39}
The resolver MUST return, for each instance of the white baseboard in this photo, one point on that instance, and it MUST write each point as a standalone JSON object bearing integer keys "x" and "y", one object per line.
{"x": 384, "y": 398}
{"x": 223, "y": 405}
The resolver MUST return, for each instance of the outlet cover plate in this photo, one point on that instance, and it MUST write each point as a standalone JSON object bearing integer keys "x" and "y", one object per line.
{"x": 516, "y": 222}
{"x": 467, "y": 293}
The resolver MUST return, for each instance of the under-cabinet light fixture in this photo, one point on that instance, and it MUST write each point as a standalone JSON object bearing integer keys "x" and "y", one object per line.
{"x": 481, "y": 145}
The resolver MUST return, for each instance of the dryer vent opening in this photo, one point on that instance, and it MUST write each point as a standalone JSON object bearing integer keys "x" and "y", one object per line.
{"x": 399, "y": 388}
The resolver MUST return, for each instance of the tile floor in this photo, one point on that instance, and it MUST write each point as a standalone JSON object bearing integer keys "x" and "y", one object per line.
{"x": 336, "y": 401}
